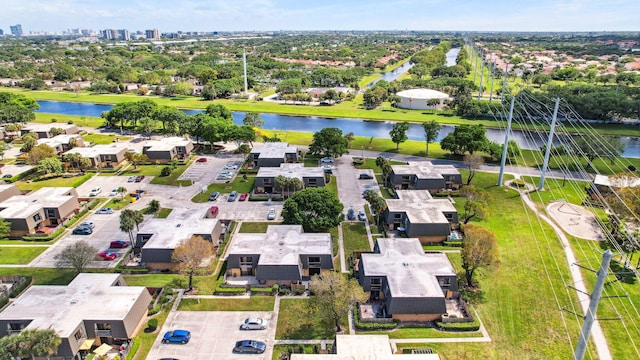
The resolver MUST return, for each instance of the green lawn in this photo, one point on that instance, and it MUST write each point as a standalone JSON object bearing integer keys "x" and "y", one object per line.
{"x": 295, "y": 321}
{"x": 238, "y": 184}
{"x": 254, "y": 227}
{"x": 117, "y": 203}
{"x": 154, "y": 170}
{"x": 53, "y": 182}
{"x": 41, "y": 276}
{"x": 355, "y": 238}
{"x": 83, "y": 121}
{"x": 103, "y": 138}
{"x": 255, "y": 303}
{"x": 164, "y": 213}
{"x": 19, "y": 255}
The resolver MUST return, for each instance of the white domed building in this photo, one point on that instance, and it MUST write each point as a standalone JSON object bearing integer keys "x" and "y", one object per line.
{"x": 419, "y": 99}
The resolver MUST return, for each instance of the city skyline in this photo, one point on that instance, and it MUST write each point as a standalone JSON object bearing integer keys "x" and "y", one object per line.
{"x": 272, "y": 15}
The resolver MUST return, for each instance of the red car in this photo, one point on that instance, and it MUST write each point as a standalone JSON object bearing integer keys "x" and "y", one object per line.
{"x": 202, "y": 160}
{"x": 243, "y": 197}
{"x": 118, "y": 244}
{"x": 139, "y": 178}
{"x": 106, "y": 255}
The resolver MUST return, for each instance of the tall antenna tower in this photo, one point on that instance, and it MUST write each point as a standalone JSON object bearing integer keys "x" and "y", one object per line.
{"x": 244, "y": 63}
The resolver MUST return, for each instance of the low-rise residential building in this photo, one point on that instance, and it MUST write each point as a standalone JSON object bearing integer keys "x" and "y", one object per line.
{"x": 102, "y": 156}
{"x": 351, "y": 347}
{"x": 414, "y": 285}
{"x": 92, "y": 309}
{"x": 8, "y": 190}
{"x": 44, "y": 130}
{"x": 603, "y": 184}
{"x": 283, "y": 255}
{"x": 418, "y": 214}
{"x": 272, "y": 154}
{"x": 168, "y": 149}
{"x": 63, "y": 143}
{"x": 423, "y": 175}
{"x": 158, "y": 238}
{"x": 309, "y": 176}
{"x": 39, "y": 211}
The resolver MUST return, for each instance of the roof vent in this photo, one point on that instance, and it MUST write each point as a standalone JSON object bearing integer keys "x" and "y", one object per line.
{"x": 179, "y": 225}
{"x": 405, "y": 264}
{"x": 281, "y": 243}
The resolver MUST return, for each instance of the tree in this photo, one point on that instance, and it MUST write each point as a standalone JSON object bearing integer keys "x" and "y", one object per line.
{"x": 476, "y": 204}
{"x": 50, "y": 166}
{"x": 431, "y": 131}
{"x": 219, "y": 111}
{"x": 473, "y": 162}
{"x": 5, "y": 228}
{"x": 76, "y": 256}
{"x": 40, "y": 152}
{"x": 146, "y": 125}
{"x": 377, "y": 203}
{"x": 350, "y": 137}
{"x": 607, "y": 147}
{"x": 29, "y": 142}
{"x": 315, "y": 209}
{"x": 385, "y": 166}
{"x": 29, "y": 344}
{"x": 253, "y": 119}
{"x": 127, "y": 223}
{"x": 479, "y": 250}
{"x": 398, "y": 133}
{"x": 328, "y": 142}
{"x": 154, "y": 206}
{"x": 136, "y": 158}
{"x": 465, "y": 138}
{"x": 121, "y": 190}
{"x": 334, "y": 296}
{"x": 190, "y": 254}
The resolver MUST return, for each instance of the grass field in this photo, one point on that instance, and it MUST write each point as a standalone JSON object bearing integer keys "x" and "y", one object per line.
{"x": 295, "y": 321}
{"x": 254, "y": 227}
{"x": 238, "y": 184}
{"x": 255, "y": 303}
{"x": 154, "y": 170}
{"x": 104, "y": 138}
{"x": 53, "y": 182}
{"x": 355, "y": 238}
{"x": 19, "y": 255}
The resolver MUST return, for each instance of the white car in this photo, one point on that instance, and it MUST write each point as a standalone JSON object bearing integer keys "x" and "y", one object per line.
{"x": 254, "y": 324}
{"x": 95, "y": 191}
{"x": 113, "y": 192}
{"x": 326, "y": 160}
{"x": 271, "y": 215}
{"x": 231, "y": 167}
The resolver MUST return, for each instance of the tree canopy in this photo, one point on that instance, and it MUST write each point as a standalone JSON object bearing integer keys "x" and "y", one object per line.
{"x": 190, "y": 255}
{"x": 465, "y": 138}
{"x": 334, "y": 295}
{"x": 77, "y": 256}
{"x": 328, "y": 142}
{"x": 479, "y": 250}
{"x": 398, "y": 133}
{"x": 316, "y": 209}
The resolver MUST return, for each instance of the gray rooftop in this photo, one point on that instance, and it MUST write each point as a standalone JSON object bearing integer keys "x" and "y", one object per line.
{"x": 166, "y": 143}
{"x": 424, "y": 170}
{"x": 421, "y": 207}
{"x": 63, "y": 308}
{"x": 181, "y": 224}
{"x": 281, "y": 244}
{"x": 409, "y": 271}
{"x": 21, "y": 206}
{"x": 92, "y": 152}
{"x": 291, "y": 171}
{"x": 274, "y": 150}
{"x": 46, "y": 127}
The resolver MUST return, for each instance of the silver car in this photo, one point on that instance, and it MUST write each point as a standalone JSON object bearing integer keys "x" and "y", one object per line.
{"x": 254, "y": 324}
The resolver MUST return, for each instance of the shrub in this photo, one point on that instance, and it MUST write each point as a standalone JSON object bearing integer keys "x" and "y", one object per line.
{"x": 374, "y": 325}
{"x": 166, "y": 171}
{"x": 464, "y": 326}
{"x": 152, "y": 324}
{"x": 518, "y": 183}
{"x": 54, "y": 120}
{"x": 70, "y": 122}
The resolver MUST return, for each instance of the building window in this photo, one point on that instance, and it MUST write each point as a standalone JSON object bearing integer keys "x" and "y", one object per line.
{"x": 444, "y": 282}
{"x": 103, "y": 326}
{"x": 51, "y": 213}
{"x": 267, "y": 181}
{"x": 313, "y": 181}
{"x": 37, "y": 217}
{"x": 405, "y": 178}
{"x": 78, "y": 335}
{"x": 376, "y": 284}
{"x": 314, "y": 261}
{"x": 246, "y": 260}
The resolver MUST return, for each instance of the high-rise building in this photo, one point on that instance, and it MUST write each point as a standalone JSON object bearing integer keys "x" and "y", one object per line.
{"x": 16, "y": 30}
{"x": 152, "y": 34}
{"x": 124, "y": 34}
{"x": 1, "y": 32}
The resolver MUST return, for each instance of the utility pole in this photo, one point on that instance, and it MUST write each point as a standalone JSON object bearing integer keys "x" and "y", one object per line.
{"x": 547, "y": 152}
{"x": 506, "y": 142}
{"x": 244, "y": 62}
{"x": 493, "y": 74}
{"x": 481, "y": 77}
{"x": 594, "y": 299}
{"x": 504, "y": 81}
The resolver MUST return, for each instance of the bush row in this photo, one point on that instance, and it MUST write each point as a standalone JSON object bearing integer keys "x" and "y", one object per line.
{"x": 373, "y": 325}
{"x": 465, "y": 326}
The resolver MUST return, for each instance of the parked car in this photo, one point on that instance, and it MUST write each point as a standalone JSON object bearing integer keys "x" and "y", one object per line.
{"x": 7, "y": 176}
{"x": 327, "y": 168}
{"x": 351, "y": 214}
{"x": 213, "y": 196}
{"x": 232, "y": 196}
{"x": 113, "y": 192}
{"x": 118, "y": 244}
{"x": 104, "y": 210}
{"x": 243, "y": 197}
{"x": 176, "y": 336}
{"x": 254, "y": 324}
{"x": 95, "y": 191}
{"x": 107, "y": 255}
{"x": 82, "y": 230}
{"x": 326, "y": 160}
{"x": 88, "y": 224}
{"x": 271, "y": 215}
{"x": 131, "y": 179}
{"x": 139, "y": 178}
{"x": 202, "y": 160}
{"x": 250, "y": 346}
{"x": 362, "y": 216}
{"x": 230, "y": 167}
{"x": 365, "y": 176}
{"x": 366, "y": 193}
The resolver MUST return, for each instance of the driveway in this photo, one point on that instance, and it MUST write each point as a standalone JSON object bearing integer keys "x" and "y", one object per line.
{"x": 213, "y": 335}
{"x": 350, "y": 187}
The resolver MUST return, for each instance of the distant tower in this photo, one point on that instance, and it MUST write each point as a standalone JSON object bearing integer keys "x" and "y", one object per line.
{"x": 16, "y": 30}
{"x": 244, "y": 62}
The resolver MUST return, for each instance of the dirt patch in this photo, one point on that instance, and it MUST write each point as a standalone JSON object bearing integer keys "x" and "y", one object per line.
{"x": 575, "y": 220}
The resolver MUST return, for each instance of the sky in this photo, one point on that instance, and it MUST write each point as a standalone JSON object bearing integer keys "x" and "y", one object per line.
{"x": 268, "y": 15}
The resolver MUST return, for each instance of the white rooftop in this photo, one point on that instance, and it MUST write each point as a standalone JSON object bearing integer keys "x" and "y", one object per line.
{"x": 630, "y": 181}
{"x": 58, "y": 139}
{"x": 281, "y": 244}
{"x": 410, "y": 272}
{"x": 181, "y": 225}
{"x": 422, "y": 94}
{"x": 425, "y": 170}
{"x": 63, "y": 308}
{"x": 166, "y": 143}
{"x": 274, "y": 150}
{"x": 291, "y": 171}
{"x": 21, "y": 206}
{"x": 47, "y": 127}
{"x": 363, "y": 347}
{"x": 94, "y": 151}
{"x": 420, "y": 206}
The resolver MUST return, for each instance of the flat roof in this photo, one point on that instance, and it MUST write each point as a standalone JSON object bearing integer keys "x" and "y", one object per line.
{"x": 422, "y": 94}
{"x": 364, "y": 347}
{"x": 410, "y": 272}
{"x": 63, "y": 308}
{"x": 274, "y": 150}
{"x": 46, "y": 127}
{"x": 166, "y": 143}
{"x": 21, "y": 206}
{"x": 58, "y": 139}
{"x": 92, "y": 152}
{"x": 630, "y": 181}
{"x": 420, "y": 206}
{"x": 425, "y": 170}
{"x": 291, "y": 171}
{"x": 281, "y": 244}
{"x": 181, "y": 224}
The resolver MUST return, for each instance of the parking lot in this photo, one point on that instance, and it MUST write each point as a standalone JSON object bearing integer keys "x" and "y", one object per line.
{"x": 213, "y": 335}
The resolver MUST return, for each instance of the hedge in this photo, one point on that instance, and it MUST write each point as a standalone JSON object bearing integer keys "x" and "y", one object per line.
{"x": 466, "y": 326}
{"x": 373, "y": 325}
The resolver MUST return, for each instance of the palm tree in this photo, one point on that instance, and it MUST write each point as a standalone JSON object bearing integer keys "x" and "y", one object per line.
{"x": 121, "y": 190}
{"x": 350, "y": 137}
{"x": 130, "y": 219}
{"x": 431, "y": 130}
{"x": 385, "y": 166}
{"x": 281, "y": 183}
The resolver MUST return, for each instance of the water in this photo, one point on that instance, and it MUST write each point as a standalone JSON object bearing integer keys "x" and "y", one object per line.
{"x": 452, "y": 55}
{"x": 359, "y": 127}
